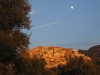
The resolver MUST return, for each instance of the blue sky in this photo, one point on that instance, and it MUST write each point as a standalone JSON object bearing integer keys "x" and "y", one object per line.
{"x": 56, "y": 24}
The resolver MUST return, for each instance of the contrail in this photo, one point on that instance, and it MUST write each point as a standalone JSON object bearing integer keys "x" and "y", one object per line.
{"x": 51, "y": 24}
{"x": 63, "y": 21}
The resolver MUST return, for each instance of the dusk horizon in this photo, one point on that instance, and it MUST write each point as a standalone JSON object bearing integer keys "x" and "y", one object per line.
{"x": 65, "y": 23}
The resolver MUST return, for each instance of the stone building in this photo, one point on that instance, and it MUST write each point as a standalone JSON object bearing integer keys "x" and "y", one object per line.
{"x": 54, "y": 55}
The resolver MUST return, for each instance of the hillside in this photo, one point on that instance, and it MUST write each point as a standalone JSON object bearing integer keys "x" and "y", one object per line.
{"x": 54, "y": 55}
{"x": 93, "y": 52}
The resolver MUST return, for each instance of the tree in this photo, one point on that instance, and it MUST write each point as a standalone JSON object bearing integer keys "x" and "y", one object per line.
{"x": 97, "y": 61}
{"x": 7, "y": 69}
{"x": 14, "y": 18}
{"x": 77, "y": 66}
{"x": 32, "y": 66}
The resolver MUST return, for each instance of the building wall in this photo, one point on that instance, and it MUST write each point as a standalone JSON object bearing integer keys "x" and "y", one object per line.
{"x": 55, "y": 55}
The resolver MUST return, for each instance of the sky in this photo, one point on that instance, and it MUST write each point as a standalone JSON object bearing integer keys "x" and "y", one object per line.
{"x": 66, "y": 23}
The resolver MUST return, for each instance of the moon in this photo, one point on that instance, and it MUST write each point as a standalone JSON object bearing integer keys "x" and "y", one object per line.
{"x": 72, "y": 7}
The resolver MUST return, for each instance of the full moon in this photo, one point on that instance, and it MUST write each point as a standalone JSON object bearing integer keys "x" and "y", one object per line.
{"x": 72, "y": 7}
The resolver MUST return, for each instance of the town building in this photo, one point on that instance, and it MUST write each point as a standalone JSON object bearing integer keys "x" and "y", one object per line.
{"x": 54, "y": 55}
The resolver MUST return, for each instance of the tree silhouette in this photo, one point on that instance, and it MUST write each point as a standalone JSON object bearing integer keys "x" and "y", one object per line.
{"x": 13, "y": 19}
{"x": 77, "y": 66}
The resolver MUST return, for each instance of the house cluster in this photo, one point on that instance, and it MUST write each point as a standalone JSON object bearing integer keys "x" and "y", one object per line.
{"x": 55, "y": 55}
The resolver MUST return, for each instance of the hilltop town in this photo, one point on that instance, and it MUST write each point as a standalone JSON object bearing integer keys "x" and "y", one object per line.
{"x": 54, "y": 55}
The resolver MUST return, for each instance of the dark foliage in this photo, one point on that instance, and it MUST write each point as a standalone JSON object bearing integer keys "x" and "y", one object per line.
{"x": 77, "y": 66}
{"x": 32, "y": 66}
{"x": 27, "y": 66}
{"x": 36, "y": 66}
{"x": 13, "y": 19}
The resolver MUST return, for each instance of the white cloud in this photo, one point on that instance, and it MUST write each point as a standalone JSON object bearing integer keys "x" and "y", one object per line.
{"x": 32, "y": 12}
